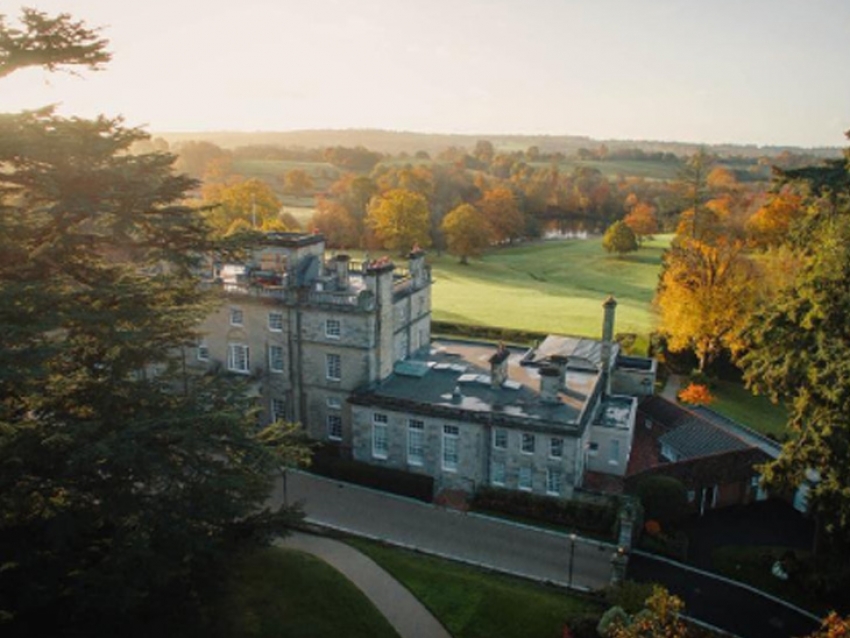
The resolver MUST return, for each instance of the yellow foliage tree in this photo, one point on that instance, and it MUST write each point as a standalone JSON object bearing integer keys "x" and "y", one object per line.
{"x": 500, "y": 208}
{"x": 705, "y": 296}
{"x": 251, "y": 201}
{"x": 400, "y": 219}
{"x": 336, "y": 223}
{"x": 641, "y": 219}
{"x": 696, "y": 394}
{"x": 660, "y": 618}
{"x": 771, "y": 223}
{"x": 467, "y": 232}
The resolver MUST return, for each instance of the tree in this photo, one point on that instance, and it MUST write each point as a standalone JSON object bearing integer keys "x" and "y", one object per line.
{"x": 251, "y": 202}
{"x": 195, "y": 157}
{"x": 336, "y": 223}
{"x": 659, "y": 618}
{"x": 502, "y": 212}
{"x": 797, "y": 350}
{"x": 696, "y": 394}
{"x": 400, "y": 219}
{"x": 467, "y": 232}
{"x": 641, "y": 219}
{"x": 664, "y": 499}
{"x": 833, "y": 626}
{"x": 620, "y": 239}
{"x": 772, "y": 222}
{"x": 704, "y": 296}
{"x": 298, "y": 182}
{"x": 124, "y": 484}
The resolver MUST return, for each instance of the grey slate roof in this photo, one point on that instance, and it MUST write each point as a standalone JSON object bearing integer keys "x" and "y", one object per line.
{"x": 575, "y": 349}
{"x": 455, "y": 380}
{"x": 691, "y": 435}
{"x": 766, "y": 445}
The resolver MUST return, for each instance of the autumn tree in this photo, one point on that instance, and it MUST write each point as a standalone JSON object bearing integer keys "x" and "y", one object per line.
{"x": 660, "y": 617}
{"x": 125, "y": 485}
{"x": 641, "y": 219}
{"x": 467, "y": 232}
{"x": 336, "y": 223}
{"x": 500, "y": 208}
{"x": 297, "y": 182}
{"x": 705, "y": 296}
{"x": 193, "y": 157}
{"x": 771, "y": 223}
{"x": 240, "y": 203}
{"x": 620, "y": 239}
{"x": 400, "y": 219}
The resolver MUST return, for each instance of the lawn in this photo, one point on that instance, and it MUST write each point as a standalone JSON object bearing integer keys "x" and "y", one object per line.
{"x": 278, "y": 592}
{"x": 473, "y": 603}
{"x": 554, "y": 286}
{"x": 757, "y": 412}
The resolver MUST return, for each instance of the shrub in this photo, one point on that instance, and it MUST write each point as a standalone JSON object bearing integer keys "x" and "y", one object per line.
{"x": 664, "y": 499}
{"x": 696, "y": 394}
{"x": 589, "y": 517}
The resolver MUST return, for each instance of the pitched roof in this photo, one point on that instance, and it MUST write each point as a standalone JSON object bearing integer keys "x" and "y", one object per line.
{"x": 691, "y": 435}
{"x": 725, "y": 467}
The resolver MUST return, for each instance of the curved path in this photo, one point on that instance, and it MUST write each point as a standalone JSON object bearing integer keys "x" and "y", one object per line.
{"x": 404, "y": 612}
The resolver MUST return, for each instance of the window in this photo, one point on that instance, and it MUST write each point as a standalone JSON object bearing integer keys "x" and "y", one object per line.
{"x": 333, "y": 367}
{"x": 276, "y": 321}
{"x": 276, "y": 358}
{"x": 237, "y": 358}
{"x": 278, "y": 409}
{"x": 556, "y": 448}
{"x": 203, "y": 351}
{"x": 528, "y": 444}
{"x": 450, "y": 447}
{"x": 497, "y": 473}
{"x": 334, "y": 427}
{"x": 692, "y": 495}
{"x": 236, "y": 317}
{"x": 500, "y": 439}
{"x": 334, "y": 403}
{"x": 380, "y": 446}
{"x": 333, "y": 328}
{"x": 525, "y": 479}
{"x": 415, "y": 442}
{"x": 553, "y": 481}
{"x": 614, "y": 453}
{"x": 592, "y": 448}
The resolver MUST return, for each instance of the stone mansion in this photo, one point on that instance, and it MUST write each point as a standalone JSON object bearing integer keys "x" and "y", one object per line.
{"x": 345, "y": 349}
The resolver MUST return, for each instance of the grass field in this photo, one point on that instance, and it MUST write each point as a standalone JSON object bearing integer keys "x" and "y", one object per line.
{"x": 757, "y": 412}
{"x": 472, "y": 603}
{"x": 626, "y": 168}
{"x": 279, "y": 592}
{"x": 556, "y": 286}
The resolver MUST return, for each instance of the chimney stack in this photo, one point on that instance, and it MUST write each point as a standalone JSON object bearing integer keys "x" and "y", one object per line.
{"x": 341, "y": 271}
{"x": 550, "y": 384}
{"x": 499, "y": 366}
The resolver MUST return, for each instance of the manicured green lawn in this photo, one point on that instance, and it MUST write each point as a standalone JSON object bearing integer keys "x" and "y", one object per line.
{"x": 733, "y": 400}
{"x": 555, "y": 286}
{"x": 472, "y": 603}
{"x": 279, "y": 592}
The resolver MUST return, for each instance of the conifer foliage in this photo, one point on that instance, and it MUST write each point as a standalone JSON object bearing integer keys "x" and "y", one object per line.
{"x": 123, "y": 481}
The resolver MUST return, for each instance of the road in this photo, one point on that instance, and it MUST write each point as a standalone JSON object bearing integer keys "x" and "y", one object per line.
{"x": 471, "y": 538}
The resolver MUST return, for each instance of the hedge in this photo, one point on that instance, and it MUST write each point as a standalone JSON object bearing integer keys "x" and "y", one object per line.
{"x": 587, "y": 517}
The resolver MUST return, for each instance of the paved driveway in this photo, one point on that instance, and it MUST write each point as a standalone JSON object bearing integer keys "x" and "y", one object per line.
{"x": 471, "y": 538}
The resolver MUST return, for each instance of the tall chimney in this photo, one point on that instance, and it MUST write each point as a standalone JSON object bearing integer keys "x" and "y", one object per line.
{"x": 550, "y": 378}
{"x": 560, "y": 362}
{"x": 341, "y": 271}
{"x": 610, "y": 307}
{"x": 499, "y": 366}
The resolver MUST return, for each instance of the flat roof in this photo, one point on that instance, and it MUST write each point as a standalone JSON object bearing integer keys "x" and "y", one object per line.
{"x": 454, "y": 379}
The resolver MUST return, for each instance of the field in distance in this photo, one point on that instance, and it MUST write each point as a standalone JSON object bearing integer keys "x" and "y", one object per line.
{"x": 554, "y": 286}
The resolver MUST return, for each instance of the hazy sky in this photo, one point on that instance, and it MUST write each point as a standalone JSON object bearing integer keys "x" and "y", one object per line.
{"x": 746, "y": 71}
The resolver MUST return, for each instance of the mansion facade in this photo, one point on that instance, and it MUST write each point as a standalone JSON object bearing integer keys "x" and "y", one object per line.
{"x": 345, "y": 349}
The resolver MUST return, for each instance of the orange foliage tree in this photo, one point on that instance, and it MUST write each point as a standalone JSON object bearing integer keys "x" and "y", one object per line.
{"x": 696, "y": 394}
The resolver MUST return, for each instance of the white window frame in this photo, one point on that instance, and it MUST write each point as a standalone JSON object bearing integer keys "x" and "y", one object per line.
{"x": 556, "y": 447}
{"x": 498, "y": 474}
{"x": 333, "y": 367}
{"x": 614, "y": 452}
{"x": 415, "y": 442}
{"x": 450, "y": 453}
{"x": 333, "y": 328}
{"x": 275, "y": 322}
{"x": 524, "y": 447}
{"x": 333, "y": 403}
{"x": 278, "y": 409}
{"x": 554, "y": 481}
{"x": 334, "y": 423}
{"x": 272, "y": 360}
{"x": 237, "y": 317}
{"x": 525, "y": 471}
{"x": 203, "y": 351}
{"x": 232, "y": 358}
{"x": 500, "y": 433}
{"x": 380, "y": 434}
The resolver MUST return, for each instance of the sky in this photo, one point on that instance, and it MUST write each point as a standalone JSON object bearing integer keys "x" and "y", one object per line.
{"x": 765, "y": 72}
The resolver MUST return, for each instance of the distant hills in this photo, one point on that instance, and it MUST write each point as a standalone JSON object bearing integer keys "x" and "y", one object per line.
{"x": 396, "y": 142}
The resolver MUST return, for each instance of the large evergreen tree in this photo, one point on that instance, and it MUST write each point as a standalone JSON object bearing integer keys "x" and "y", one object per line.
{"x": 123, "y": 481}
